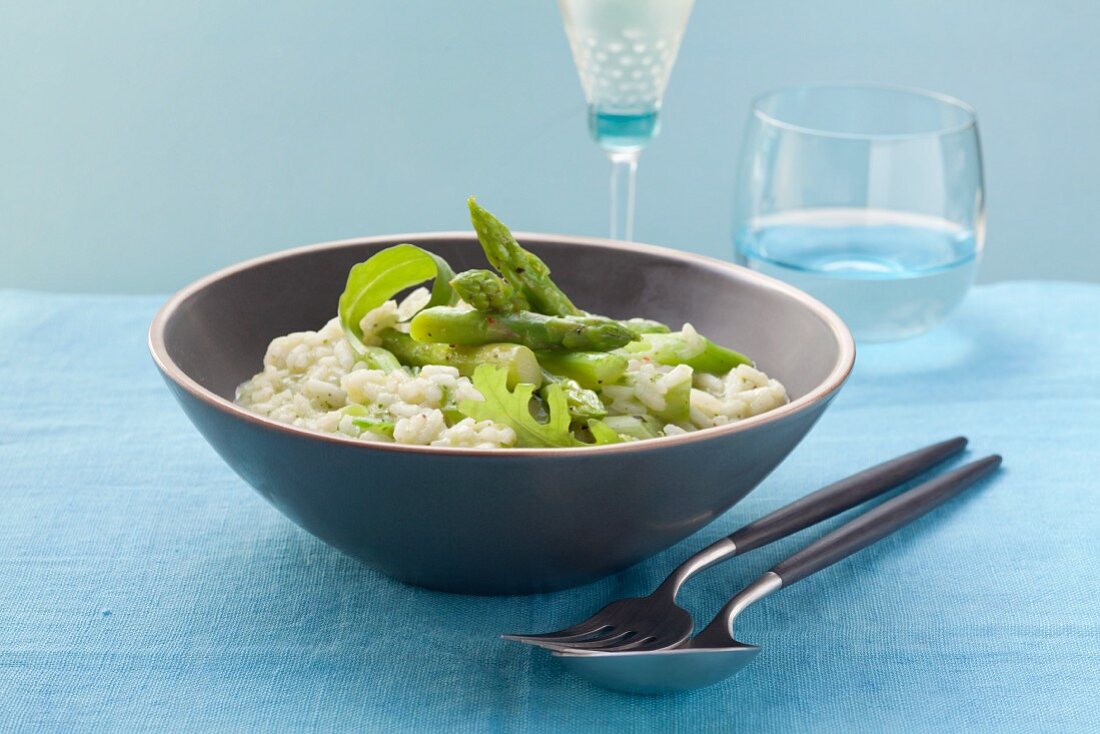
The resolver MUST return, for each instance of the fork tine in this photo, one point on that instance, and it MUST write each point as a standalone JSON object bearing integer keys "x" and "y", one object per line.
{"x": 556, "y": 644}
{"x": 652, "y": 643}
{"x": 594, "y": 633}
{"x": 607, "y": 643}
{"x": 632, "y": 644}
{"x": 605, "y": 636}
{"x": 595, "y": 624}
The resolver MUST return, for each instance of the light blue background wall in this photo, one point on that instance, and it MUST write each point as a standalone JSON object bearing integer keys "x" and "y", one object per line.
{"x": 145, "y": 143}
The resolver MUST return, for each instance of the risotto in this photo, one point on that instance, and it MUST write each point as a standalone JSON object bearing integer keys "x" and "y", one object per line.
{"x": 493, "y": 361}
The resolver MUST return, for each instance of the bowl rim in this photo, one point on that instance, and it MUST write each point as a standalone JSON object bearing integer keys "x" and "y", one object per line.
{"x": 839, "y": 373}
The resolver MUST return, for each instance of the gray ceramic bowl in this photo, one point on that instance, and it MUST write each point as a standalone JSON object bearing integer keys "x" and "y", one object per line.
{"x": 513, "y": 521}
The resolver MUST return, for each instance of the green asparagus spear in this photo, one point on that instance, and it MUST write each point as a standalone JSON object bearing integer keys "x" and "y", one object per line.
{"x": 516, "y": 358}
{"x": 583, "y": 404}
{"x": 450, "y": 325}
{"x": 486, "y": 291}
{"x": 646, "y": 326}
{"x": 697, "y": 352}
{"x": 591, "y": 370}
{"x": 523, "y": 270}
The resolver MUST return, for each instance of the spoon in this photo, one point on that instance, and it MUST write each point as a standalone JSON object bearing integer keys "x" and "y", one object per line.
{"x": 657, "y": 622}
{"x": 714, "y": 655}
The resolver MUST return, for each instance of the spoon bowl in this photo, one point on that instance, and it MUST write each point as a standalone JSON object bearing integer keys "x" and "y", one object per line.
{"x": 660, "y": 671}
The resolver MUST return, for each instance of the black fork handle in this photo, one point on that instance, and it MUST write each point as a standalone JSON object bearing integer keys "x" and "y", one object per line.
{"x": 881, "y": 521}
{"x": 843, "y": 495}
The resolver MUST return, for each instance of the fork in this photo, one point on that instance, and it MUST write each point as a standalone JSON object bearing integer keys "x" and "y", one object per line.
{"x": 656, "y": 621}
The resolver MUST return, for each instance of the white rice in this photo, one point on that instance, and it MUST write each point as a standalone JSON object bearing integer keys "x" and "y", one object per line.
{"x": 311, "y": 377}
{"x": 744, "y": 392}
{"x": 741, "y": 393}
{"x": 313, "y": 380}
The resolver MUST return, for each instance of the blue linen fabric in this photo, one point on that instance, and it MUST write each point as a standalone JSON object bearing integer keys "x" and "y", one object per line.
{"x": 144, "y": 587}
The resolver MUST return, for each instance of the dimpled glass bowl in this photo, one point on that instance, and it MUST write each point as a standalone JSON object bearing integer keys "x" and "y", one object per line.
{"x": 508, "y": 521}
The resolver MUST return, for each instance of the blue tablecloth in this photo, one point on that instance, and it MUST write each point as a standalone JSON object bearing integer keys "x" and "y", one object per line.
{"x": 144, "y": 587}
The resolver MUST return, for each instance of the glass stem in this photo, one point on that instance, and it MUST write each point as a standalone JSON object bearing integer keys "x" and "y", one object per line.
{"x": 624, "y": 169}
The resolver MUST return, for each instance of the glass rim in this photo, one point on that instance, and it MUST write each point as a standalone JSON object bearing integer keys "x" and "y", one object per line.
{"x": 970, "y": 121}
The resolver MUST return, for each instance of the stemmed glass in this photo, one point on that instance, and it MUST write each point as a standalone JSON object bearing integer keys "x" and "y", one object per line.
{"x": 868, "y": 197}
{"x": 624, "y": 51}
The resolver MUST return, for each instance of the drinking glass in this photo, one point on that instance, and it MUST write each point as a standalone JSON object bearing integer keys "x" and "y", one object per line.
{"x": 869, "y": 198}
{"x": 624, "y": 51}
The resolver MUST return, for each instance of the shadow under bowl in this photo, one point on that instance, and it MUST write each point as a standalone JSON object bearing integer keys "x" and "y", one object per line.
{"x": 507, "y": 521}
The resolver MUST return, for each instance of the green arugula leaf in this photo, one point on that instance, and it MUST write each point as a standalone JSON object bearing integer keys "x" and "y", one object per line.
{"x": 511, "y": 408}
{"x": 383, "y": 276}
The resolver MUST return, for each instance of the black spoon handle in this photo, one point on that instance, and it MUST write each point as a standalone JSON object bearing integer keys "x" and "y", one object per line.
{"x": 843, "y": 495}
{"x": 881, "y": 521}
